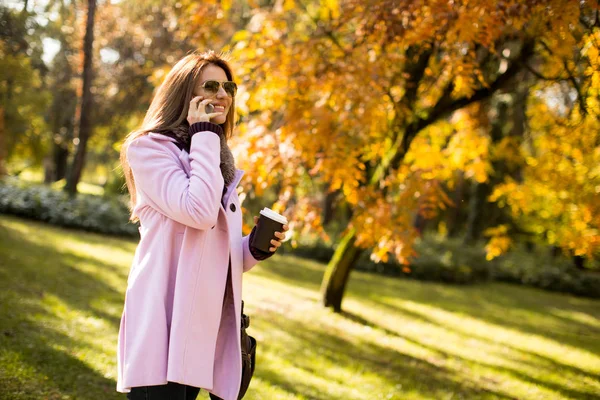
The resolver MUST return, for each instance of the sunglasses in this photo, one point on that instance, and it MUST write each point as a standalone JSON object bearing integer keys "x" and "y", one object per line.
{"x": 212, "y": 87}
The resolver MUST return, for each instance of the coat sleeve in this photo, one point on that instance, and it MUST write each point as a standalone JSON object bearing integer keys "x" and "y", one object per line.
{"x": 249, "y": 260}
{"x": 161, "y": 180}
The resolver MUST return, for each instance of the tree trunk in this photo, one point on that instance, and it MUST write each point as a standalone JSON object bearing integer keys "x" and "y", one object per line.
{"x": 86, "y": 103}
{"x": 454, "y": 216}
{"x": 481, "y": 213}
{"x": 329, "y": 207}
{"x": 57, "y": 165}
{"x": 579, "y": 262}
{"x": 2, "y": 144}
{"x": 338, "y": 271}
{"x": 475, "y": 219}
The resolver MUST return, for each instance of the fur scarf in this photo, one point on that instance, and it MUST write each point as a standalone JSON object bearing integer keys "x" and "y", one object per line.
{"x": 182, "y": 135}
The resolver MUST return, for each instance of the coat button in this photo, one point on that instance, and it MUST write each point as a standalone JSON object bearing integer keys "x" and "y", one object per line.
{"x": 232, "y": 207}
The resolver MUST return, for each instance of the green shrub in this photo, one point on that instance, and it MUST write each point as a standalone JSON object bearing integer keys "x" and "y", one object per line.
{"x": 448, "y": 260}
{"x": 108, "y": 215}
{"x": 540, "y": 270}
{"x": 314, "y": 251}
{"x": 439, "y": 260}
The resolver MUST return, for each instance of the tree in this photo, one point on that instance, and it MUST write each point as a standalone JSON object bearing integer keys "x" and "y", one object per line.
{"x": 23, "y": 96}
{"x": 85, "y": 125}
{"x": 341, "y": 91}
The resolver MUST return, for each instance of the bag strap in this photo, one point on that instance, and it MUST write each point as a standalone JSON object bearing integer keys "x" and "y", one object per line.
{"x": 245, "y": 318}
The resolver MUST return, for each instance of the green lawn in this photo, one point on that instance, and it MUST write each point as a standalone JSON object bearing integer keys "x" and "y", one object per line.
{"x": 61, "y": 296}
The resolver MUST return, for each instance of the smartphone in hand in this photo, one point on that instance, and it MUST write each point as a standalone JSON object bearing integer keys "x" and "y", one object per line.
{"x": 209, "y": 108}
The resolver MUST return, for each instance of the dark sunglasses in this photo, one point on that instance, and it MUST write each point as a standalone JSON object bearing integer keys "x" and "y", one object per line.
{"x": 213, "y": 87}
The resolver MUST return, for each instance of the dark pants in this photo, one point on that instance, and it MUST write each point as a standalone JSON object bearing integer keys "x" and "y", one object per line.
{"x": 170, "y": 391}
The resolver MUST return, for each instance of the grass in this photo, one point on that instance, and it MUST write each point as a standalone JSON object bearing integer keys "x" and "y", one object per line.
{"x": 61, "y": 297}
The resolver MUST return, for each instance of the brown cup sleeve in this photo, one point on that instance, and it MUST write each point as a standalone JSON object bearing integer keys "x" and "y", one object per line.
{"x": 265, "y": 232}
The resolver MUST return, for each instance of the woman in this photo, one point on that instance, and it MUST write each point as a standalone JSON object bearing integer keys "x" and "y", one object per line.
{"x": 180, "y": 328}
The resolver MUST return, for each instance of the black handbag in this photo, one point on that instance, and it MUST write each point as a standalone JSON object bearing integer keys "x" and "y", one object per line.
{"x": 248, "y": 355}
{"x": 248, "y": 344}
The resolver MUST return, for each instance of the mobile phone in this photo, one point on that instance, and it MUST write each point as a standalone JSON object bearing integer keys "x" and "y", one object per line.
{"x": 209, "y": 108}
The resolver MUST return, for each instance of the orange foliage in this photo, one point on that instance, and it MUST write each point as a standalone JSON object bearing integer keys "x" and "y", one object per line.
{"x": 329, "y": 89}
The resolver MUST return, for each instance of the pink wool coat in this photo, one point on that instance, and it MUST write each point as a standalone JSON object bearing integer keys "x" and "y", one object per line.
{"x": 172, "y": 327}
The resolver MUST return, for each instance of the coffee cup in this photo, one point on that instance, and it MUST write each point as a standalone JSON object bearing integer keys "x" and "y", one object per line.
{"x": 268, "y": 223}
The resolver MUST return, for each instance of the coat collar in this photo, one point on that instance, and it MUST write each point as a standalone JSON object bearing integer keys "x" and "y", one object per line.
{"x": 162, "y": 137}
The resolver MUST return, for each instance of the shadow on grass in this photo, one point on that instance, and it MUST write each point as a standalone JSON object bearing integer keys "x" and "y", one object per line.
{"x": 500, "y": 304}
{"x": 37, "y": 270}
{"x": 29, "y": 272}
{"x": 554, "y": 365}
{"x": 496, "y": 303}
{"x": 522, "y": 309}
{"x": 406, "y": 373}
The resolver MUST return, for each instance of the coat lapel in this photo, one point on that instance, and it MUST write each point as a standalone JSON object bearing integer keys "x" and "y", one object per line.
{"x": 233, "y": 185}
{"x": 184, "y": 157}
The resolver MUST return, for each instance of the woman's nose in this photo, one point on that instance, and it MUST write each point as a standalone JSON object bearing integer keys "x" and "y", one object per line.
{"x": 221, "y": 93}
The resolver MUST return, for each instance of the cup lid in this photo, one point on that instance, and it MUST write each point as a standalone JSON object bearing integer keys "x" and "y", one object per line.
{"x": 267, "y": 212}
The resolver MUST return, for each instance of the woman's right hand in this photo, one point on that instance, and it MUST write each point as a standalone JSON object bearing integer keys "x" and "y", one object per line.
{"x": 196, "y": 112}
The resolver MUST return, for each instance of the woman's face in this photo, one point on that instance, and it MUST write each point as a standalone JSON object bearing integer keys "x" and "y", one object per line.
{"x": 221, "y": 100}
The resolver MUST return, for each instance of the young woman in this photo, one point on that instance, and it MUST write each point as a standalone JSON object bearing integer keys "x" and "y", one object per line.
{"x": 180, "y": 328}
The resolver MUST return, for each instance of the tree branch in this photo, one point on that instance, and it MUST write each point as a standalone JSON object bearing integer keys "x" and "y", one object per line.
{"x": 446, "y": 105}
{"x": 539, "y": 74}
{"x": 415, "y": 71}
{"x": 572, "y": 79}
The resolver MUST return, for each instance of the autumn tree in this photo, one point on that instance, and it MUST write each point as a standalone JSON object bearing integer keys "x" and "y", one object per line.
{"x": 23, "y": 95}
{"x": 340, "y": 92}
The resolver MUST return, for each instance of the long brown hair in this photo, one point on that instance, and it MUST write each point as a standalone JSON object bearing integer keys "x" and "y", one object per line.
{"x": 169, "y": 107}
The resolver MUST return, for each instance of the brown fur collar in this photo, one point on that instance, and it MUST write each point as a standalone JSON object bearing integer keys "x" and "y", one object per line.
{"x": 182, "y": 135}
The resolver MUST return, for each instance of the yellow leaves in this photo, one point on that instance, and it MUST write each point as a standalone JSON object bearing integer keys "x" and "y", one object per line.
{"x": 468, "y": 149}
{"x": 330, "y": 9}
{"x": 463, "y": 85}
{"x": 240, "y": 38}
{"x": 397, "y": 92}
{"x": 509, "y": 152}
{"x": 558, "y": 195}
{"x": 225, "y": 4}
{"x": 380, "y": 253}
{"x": 499, "y": 242}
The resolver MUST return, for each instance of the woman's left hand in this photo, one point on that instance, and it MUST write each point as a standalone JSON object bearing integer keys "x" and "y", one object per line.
{"x": 279, "y": 235}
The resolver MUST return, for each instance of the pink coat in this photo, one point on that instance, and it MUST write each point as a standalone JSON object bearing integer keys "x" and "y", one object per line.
{"x": 172, "y": 327}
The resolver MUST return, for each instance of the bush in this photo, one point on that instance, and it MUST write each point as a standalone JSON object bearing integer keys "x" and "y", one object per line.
{"x": 108, "y": 215}
{"x": 439, "y": 260}
{"x": 449, "y": 260}
{"x": 314, "y": 251}
{"x": 542, "y": 271}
